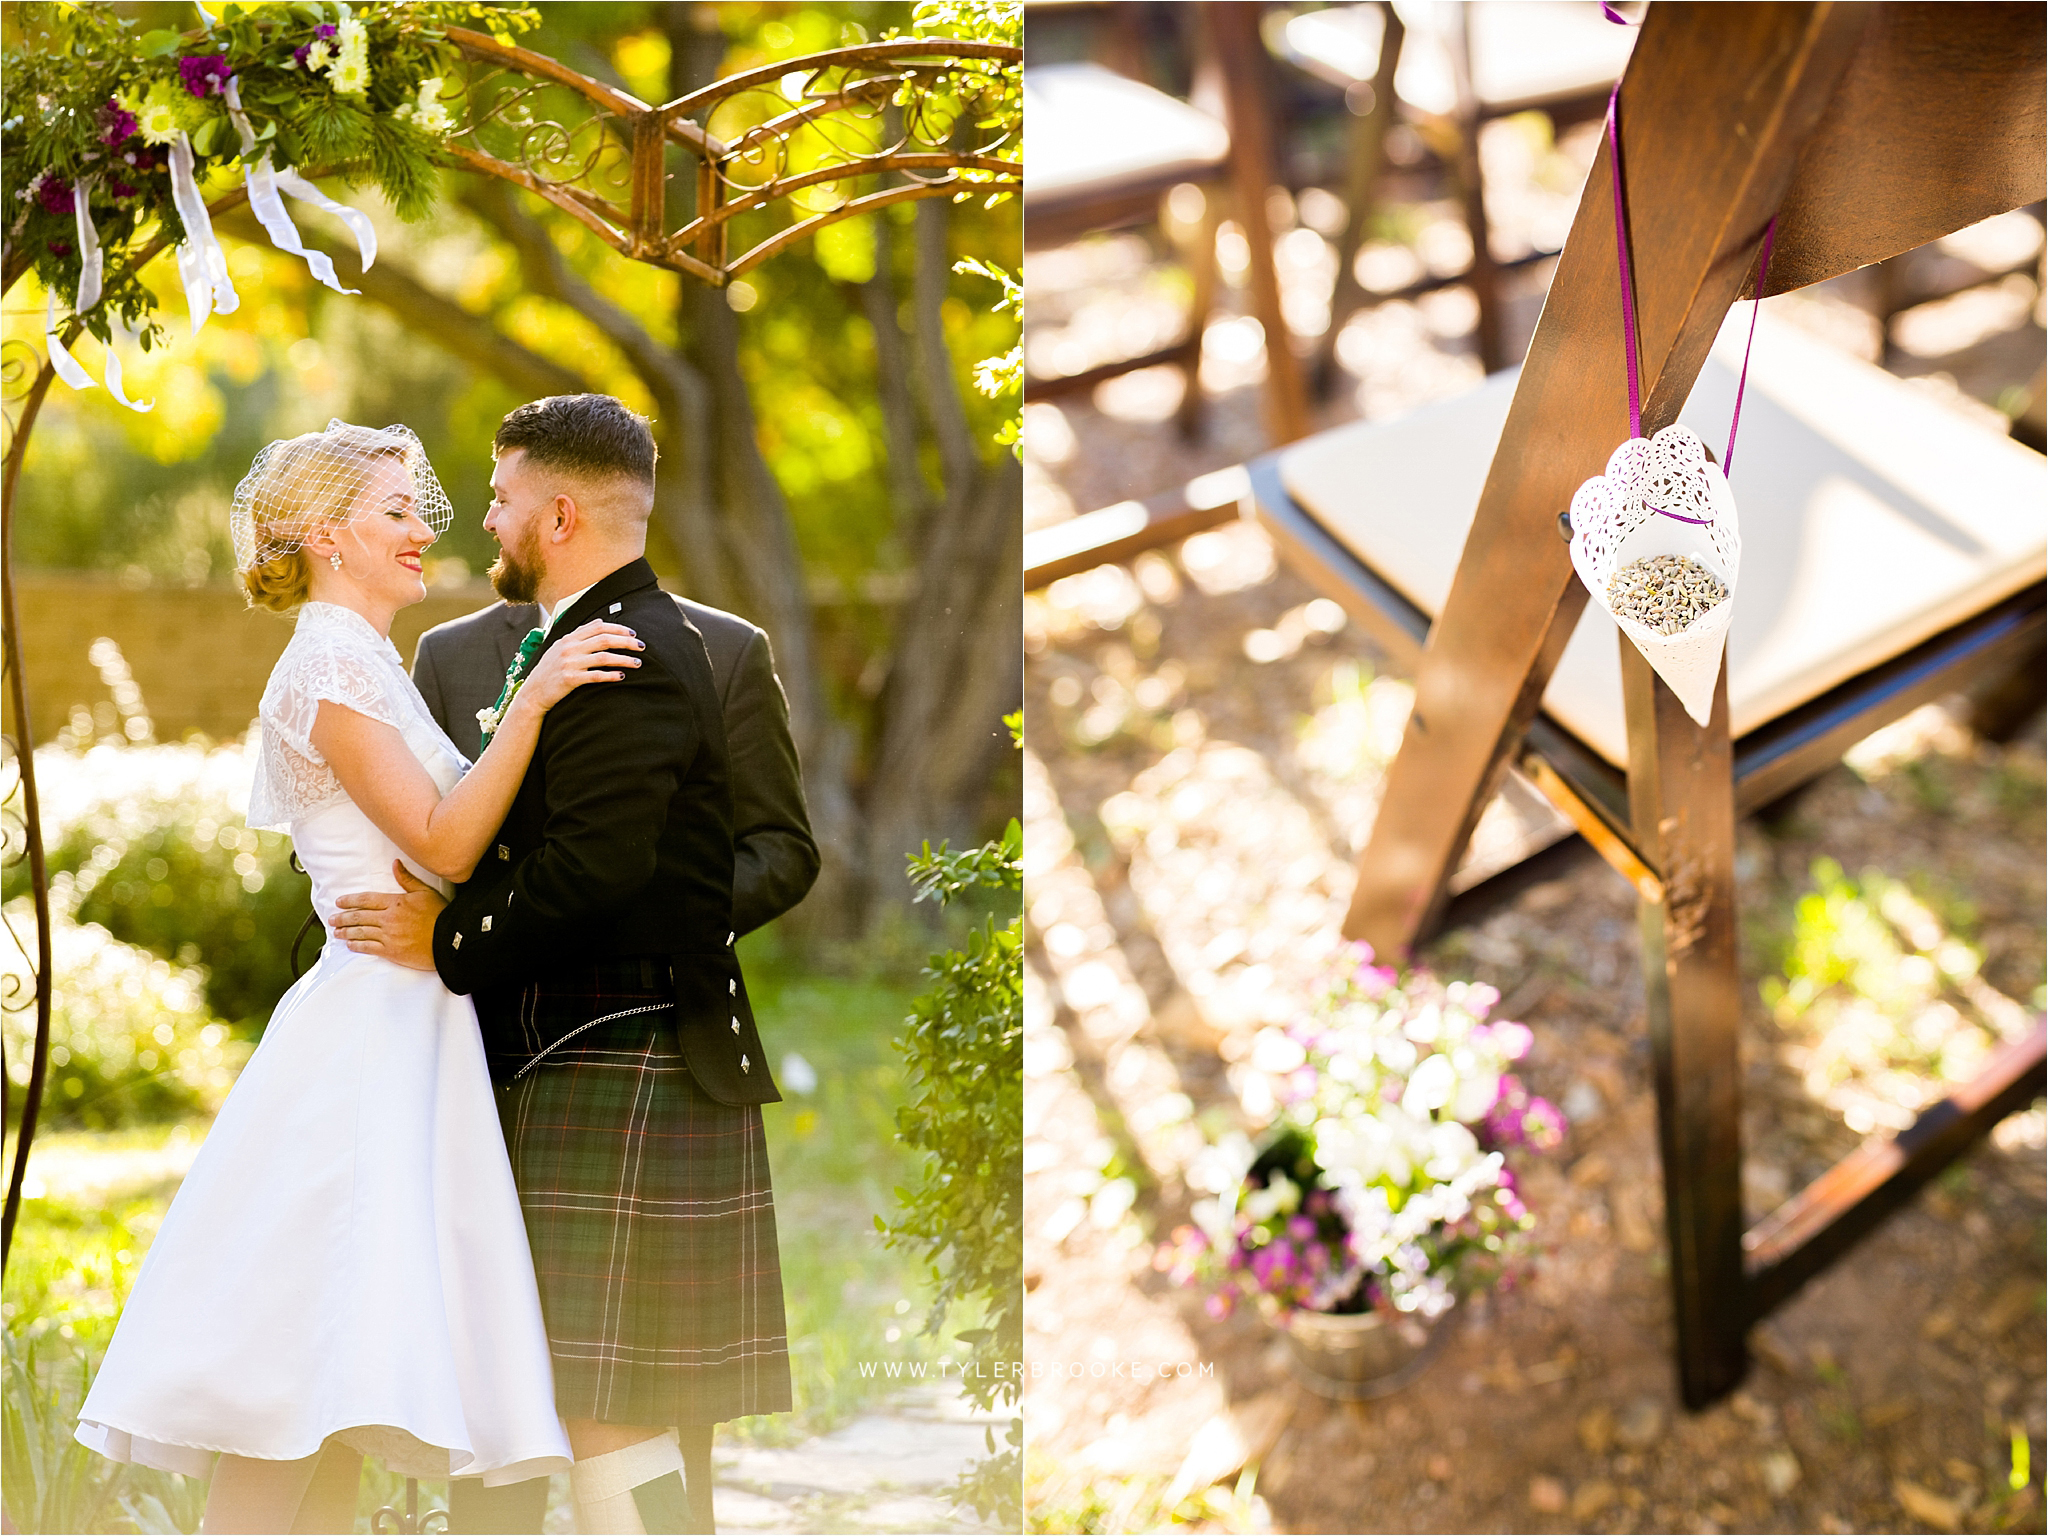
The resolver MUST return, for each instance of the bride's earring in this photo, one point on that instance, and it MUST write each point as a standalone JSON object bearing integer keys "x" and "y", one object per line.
{"x": 334, "y": 561}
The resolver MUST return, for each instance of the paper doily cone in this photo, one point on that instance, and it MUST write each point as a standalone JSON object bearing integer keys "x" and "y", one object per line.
{"x": 1615, "y": 520}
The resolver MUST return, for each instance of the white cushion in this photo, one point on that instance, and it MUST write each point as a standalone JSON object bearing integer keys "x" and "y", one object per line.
{"x": 1522, "y": 50}
{"x": 1089, "y": 129}
{"x": 1874, "y": 516}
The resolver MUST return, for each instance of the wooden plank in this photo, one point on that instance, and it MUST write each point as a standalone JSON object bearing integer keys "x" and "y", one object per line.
{"x": 1778, "y": 757}
{"x": 1715, "y": 107}
{"x": 1185, "y": 354}
{"x": 1820, "y": 1223}
{"x": 1328, "y": 565}
{"x": 1130, "y": 527}
{"x": 1682, "y": 789}
{"x": 1941, "y": 120}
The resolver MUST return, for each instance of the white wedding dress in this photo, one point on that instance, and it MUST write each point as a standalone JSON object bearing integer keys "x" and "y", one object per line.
{"x": 347, "y": 1255}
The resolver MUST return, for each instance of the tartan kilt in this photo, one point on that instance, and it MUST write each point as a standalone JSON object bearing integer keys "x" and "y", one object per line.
{"x": 650, "y": 1214}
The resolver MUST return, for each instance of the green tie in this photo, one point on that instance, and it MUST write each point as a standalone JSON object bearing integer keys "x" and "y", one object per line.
{"x": 514, "y": 676}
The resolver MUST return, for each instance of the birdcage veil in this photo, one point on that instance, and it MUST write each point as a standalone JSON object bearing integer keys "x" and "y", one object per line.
{"x": 299, "y": 484}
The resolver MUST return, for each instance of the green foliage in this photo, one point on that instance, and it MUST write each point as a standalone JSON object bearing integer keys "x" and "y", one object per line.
{"x": 965, "y": 1054}
{"x": 54, "y": 1483}
{"x": 1002, "y": 377}
{"x": 77, "y": 69}
{"x": 170, "y": 866}
{"x": 130, "y": 1037}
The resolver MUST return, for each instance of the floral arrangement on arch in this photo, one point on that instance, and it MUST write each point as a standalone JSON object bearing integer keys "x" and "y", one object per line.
{"x": 109, "y": 135}
{"x": 1384, "y": 1183}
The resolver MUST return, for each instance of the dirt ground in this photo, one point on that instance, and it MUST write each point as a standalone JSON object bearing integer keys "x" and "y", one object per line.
{"x": 1205, "y": 744}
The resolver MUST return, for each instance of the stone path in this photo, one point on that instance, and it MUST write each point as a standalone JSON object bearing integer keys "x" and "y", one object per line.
{"x": 889, "y": 1470}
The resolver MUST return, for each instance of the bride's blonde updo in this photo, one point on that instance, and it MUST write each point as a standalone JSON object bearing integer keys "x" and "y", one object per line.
{"x": 297, "y": 484}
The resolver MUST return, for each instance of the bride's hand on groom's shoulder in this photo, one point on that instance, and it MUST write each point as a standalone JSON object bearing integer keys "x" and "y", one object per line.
{"x": 599, "y": 652}
{"x": 399, "y": 927}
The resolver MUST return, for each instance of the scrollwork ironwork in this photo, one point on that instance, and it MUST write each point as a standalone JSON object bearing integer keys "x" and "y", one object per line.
{"x": 870, "y": 125}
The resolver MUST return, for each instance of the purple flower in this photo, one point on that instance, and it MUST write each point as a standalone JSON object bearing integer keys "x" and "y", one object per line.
{"x": 1218, "y": 1305}
{"x": 326, "y": 29}
{"x": 1543, "y": 1125}
{"x": 55, "y": 196}
{"x": 60, "y": 248}
{"x": 299, "y": 55}
{"x": 1377, "y": 980}
{"x": 119, "y": 123}
{"x": 1300, "y": 1229}
{"x": 121, "y": 189}
{"x": 205, "y": 74}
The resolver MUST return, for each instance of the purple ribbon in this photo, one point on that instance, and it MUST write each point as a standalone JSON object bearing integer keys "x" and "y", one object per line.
{"x": 1628, "y": 304}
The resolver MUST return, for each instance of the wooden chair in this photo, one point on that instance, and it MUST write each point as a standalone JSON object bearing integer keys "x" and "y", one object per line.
{"x": 1867, "y": 130}
{"x": 1457, "y": 68}
{"x": 1104, "y": 150}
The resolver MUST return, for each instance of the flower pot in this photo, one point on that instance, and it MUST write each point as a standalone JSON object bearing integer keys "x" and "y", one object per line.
{"x": 1361, "y": 1355}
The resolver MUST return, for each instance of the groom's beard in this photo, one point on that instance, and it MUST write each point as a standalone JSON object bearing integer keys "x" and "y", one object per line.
{"x": 516, "y": 576}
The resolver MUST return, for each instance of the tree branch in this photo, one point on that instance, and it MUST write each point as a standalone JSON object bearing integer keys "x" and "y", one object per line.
{"x": 683, "y": 499}
{"x": 440, "y": 320}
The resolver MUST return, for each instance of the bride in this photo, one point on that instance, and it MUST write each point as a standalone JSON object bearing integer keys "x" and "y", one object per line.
{"x": 345, "y": 1269}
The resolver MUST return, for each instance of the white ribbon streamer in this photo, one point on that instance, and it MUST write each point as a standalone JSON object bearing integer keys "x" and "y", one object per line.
{"x": 91, "y": 261}
{"x": 114, "y": 368}
{"x": 357, "y": 221}
{"x": 68, "y": 368}
{"x": 269, "y": 207}
{"x": 60, "y": 358}
{"x": 208, "y": 289}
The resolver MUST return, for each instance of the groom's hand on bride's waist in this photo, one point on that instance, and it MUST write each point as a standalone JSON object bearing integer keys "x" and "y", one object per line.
{"x": 398, "y": 927}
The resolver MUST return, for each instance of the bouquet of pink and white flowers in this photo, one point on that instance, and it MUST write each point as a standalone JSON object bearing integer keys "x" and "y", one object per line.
{"x": 1383, "y": 1183}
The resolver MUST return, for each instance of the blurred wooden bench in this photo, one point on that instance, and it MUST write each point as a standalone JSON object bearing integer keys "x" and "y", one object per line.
{"x": 1105, "y": 149}
{"x": 1450, "y": 70}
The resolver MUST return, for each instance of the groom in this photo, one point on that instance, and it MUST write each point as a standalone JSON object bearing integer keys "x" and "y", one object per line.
{"x": 597, "y": 941}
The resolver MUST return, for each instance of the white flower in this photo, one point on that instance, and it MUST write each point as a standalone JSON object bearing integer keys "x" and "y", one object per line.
{"x": 351, "y": 77}
{"x": 351, "y": 40}
{"x": 1452, "y": 1149}
{"x": 157, "y": 123}
{"x": 1431, "y": 1087}
{"x": 319, "y": 55}
{"x": 1275, "y": 1052}
{"x": 1478, "y": 1084}
{"x": 434, "y": 119}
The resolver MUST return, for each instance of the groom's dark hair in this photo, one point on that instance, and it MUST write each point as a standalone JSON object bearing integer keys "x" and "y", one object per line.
{"x": 592, "y": 435}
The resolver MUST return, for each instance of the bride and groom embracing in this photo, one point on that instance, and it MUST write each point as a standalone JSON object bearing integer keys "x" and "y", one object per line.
{"x": 491, "y": 1199}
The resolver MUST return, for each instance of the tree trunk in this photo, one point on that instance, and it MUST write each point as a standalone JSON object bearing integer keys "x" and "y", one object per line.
{"x": 955, "y": 662}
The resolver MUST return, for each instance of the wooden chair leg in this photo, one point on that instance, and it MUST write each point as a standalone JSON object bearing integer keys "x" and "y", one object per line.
{"x": 1201, "y": 261}
{"x": 1706, "y": 169}
{"x": 1232, "y": 28}
{"x": 1367, "y": 158}
{"x": 1682, "y": 800}
{"x": 1483, "y": 276}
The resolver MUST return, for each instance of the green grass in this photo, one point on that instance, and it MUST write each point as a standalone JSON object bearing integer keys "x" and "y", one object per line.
{"x": 836, "y": 1165}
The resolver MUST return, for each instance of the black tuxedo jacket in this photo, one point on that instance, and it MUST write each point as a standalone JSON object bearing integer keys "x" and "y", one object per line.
{"x": 618, "y": 845}
{"x": 459, "y": 669}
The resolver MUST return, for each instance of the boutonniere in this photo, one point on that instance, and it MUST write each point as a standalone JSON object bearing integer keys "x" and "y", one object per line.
{"x": 492, "y": 715}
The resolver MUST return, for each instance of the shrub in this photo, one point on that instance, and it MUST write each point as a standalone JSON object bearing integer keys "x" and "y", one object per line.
{"x": 158, "y": 853}
{"x": 965, "y": 1053}
{"x": 130, "y": 1037}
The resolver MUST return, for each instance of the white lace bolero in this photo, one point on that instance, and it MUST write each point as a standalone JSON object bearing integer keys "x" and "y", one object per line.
{"x": 335, "y": 655}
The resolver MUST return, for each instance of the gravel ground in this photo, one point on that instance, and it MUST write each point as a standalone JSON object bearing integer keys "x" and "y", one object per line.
{"x": 1205, "y": 747}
